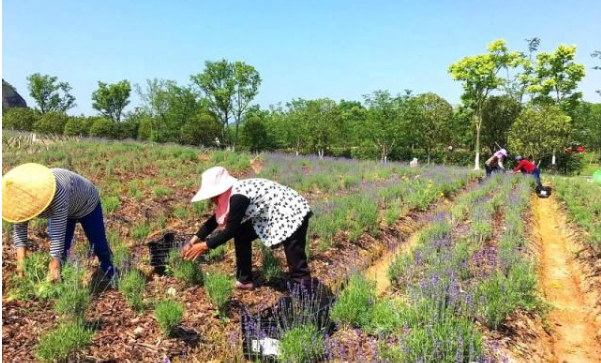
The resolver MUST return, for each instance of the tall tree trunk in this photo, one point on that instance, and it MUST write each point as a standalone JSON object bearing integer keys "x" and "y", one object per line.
{"x": 478, "y": 127}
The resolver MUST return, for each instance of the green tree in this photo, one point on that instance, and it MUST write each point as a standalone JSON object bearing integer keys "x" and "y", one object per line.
{"x": 352, "y": 120}
{"x": 51, "y": 123}
{"x": 202, "y": 129}
{"x": 597, "y": 54}
{"x": 218, "y": 84}
{"x": 385, "y": 120}
{"x": 498, "y": 114}
{"x": 254, "y": 133}
{"x": 479, "y": 75}
{"x": 103, "y": 127}
{"x": 539, "y": 130}
{"x": 111, "y": 99}
{"x": 297, "y": 124}
{"x": 154, "y": 96}
{"x": 50, "y": 94}
{"x": 19, "y": 118}
{"x": 323, "y": 121}
{"x": 431, "y": 116}
{"x": 519, "y": 71}
{"x": 182, "y": 106}
{"x": 586, "y": 123}
{"x": 555, "y": 78}
{"x": 247, "y": 81}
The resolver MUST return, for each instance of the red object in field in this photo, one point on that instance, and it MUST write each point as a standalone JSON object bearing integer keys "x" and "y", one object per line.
{"x": 580, "y": 149}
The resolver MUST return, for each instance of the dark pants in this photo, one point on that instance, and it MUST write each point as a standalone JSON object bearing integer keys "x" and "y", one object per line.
{"x": 490, "y": 170}
{"x": 294, "y": 248}
{"x": 93, "y": 227}
{"x": 536, "y": 175}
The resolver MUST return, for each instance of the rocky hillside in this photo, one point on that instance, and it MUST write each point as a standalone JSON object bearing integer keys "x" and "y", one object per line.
{"x": 10, "y": 97}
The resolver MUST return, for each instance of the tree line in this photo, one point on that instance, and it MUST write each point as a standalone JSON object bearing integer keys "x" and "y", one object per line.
{"x": 527, "y": 101}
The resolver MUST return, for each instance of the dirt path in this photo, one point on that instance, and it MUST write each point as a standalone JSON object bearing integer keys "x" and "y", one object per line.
{"x": 378, "y": 271}
{"x": 573, "y": 329}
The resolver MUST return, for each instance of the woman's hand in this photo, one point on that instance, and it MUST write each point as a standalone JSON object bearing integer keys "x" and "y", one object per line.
{"x": 189, "y": 245}
{"x": 192, "y": 252}
{"x": 54, "y": 270}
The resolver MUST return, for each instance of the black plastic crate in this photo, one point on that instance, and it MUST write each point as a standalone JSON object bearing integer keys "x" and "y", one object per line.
{"x": 544, "y": 192}
{"x": 262, "y": 331}
{"x": 160, "y": 248}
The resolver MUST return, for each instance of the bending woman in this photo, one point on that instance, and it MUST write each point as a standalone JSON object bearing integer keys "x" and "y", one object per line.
{"x": 64, "y": 198}
{"x": 251, "y": 209}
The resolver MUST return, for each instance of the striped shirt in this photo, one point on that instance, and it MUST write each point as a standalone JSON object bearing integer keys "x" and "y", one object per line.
{"x": 75, "y": 197}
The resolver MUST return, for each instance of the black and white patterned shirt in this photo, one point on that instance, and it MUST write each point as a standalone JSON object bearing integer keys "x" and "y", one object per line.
{"x": 274, "y": 210}
{"x": 75, "y": 198}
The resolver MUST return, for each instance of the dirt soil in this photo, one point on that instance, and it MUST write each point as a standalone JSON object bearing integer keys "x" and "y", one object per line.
{"x": 571, "y": 319}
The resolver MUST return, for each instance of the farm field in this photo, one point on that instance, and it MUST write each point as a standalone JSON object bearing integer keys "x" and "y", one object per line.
{"x": 427, "y": 264}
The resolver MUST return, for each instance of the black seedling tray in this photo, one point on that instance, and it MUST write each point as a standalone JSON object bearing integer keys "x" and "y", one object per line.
{"x": 161, "y": 247}
{"x": 262, "y": 331}
{"x": 544, "y": 192}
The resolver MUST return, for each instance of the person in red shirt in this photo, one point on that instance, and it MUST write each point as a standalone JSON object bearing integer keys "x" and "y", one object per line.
{"x": 527, "y": 167}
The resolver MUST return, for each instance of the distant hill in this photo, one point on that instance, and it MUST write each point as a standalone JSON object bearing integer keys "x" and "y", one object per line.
{"x": 10, "y": 96}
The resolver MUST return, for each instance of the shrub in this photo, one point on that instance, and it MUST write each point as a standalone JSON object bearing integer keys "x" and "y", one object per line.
{"x": 78, "y": 126}
{"x": 58, "y": 344}
{"x": 20, "y": 118}
{"x": 132, "y": 286}
{"x": 355, "y": 302}
{"x": 169, "y": 314}
{"x": 188, "y": 272}
{"x": 219, "y": 287}
{"x": 302, "y": 344}
{"x": 103, "y": 127}
{"x": 51, "y": 123}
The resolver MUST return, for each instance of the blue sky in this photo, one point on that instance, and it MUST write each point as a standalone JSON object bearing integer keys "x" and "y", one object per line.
{"x": 309, "y": 49}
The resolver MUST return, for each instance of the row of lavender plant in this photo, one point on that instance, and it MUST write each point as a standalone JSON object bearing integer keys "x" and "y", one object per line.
{"x": 359, "y": 212}
{"x": 439, "y": 279}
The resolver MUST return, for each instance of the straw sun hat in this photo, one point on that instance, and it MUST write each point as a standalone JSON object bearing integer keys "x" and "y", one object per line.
{"x": 214, "y": 182}
{"x": 27, "y": 190}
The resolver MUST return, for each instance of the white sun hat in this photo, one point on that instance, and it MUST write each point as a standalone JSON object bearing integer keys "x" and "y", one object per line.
{"x": 214, "y": 181}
